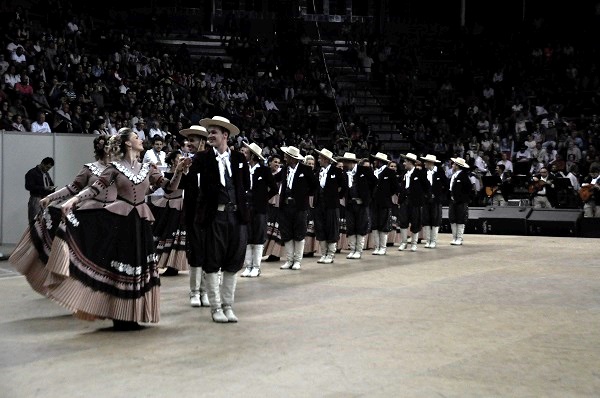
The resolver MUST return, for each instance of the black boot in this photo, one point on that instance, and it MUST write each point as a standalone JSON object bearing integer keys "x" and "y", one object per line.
{"x": 126, "y": 326}
{"x": 170, "y": 272}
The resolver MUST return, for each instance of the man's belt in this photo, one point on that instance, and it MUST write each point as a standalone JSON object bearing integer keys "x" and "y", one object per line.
{"x": 289, "y": 201}
{"x": 227, "y": 207}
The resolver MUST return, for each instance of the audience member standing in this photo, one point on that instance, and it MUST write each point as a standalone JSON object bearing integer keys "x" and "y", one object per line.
{"x": 39, "y": 184}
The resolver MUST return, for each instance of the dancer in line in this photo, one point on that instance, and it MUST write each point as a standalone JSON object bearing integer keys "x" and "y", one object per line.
{"x": 262, "y": 188}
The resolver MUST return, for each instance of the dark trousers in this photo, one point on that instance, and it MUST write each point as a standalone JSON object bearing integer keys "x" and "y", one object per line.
{"x": 327, "y": 224}
{"x": 432, "y": 214}
{"x": 458, "y": 213}
{"x": 224, "y": 243}
{"x": 382, "y": 219}
{"x": 193, "y": 246}
{"x": 257, "y": 228}
{"x": 292, "y": 223}
{"x": 410, "y": 214}
{"x": 358, "y": 220}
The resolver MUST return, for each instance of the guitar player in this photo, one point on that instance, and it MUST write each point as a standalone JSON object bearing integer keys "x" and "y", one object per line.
{"x": 541, "y": 187}
{"x": 501, "y": 191}
{"x": 591, "y": 188}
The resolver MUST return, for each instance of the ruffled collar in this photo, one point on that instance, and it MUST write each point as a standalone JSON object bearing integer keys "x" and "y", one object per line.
{"x": 96, "y": 168}
{"x": 135, "y": 178}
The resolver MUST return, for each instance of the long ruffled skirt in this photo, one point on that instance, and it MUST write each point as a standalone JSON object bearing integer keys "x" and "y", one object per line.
{"x": 274, "y": 244}
{"x": 169, "y": 234}
{"x": 103, "y": 265}
{"x": 31, "y": 253}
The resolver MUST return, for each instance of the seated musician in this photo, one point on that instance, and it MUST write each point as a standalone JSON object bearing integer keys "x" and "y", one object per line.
{"x": 541, "y": 187}
{"x": 590, "y": 193}
{"x": 501, "y": 191}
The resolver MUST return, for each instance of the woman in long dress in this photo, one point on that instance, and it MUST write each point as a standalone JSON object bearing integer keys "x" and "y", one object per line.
{"x": 274, "y": 244}
{"x": 169, "y": 226}
{"x": 31, "y": 254}
{"x": 119, "y": 281}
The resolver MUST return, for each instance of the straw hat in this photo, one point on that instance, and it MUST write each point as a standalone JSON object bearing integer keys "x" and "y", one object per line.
{"x": 348, "y": 156}
{"x": 292, "y": 151}
{"x": 411, "y": 156}
{"x": 381, "y": 156}
{"x": 461, "y": 162}
{"x": 220, "y": 121}
{"x": 327, "y": 153}
{"x": 255, "y": 149}
{"x": 430, "y": 158}
{"x": 194, "y": 130}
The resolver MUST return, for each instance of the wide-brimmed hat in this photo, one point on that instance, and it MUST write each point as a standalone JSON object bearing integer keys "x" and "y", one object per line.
{"x": 255, "y": 149}
{"x": 381, "y": 156}
{"x": 461, "y": 162}
{"x": 348, "y": 157}
{"x": 327, "y": 153}
{"x": 223, "y": 122}
{"x": 194, "y": 130}
{"x": 430, "y": 158}
{"x": 292, "y": 151}
{"x": 411, "y": 156}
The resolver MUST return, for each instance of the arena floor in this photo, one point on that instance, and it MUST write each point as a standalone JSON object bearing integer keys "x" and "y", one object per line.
{"x": 501, "y": 316}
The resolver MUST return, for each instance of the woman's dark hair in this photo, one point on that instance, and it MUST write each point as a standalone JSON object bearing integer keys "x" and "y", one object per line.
{"x": 171, "y": 157}
{"x": 100, "y": 143}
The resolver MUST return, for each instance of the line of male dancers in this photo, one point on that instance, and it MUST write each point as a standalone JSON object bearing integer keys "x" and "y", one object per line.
{"x": 231, "y": 236}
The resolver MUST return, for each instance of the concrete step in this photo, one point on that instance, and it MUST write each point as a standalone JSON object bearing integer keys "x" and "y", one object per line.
{"x": 368, "y": 109}
{"x": 396, "y": 146}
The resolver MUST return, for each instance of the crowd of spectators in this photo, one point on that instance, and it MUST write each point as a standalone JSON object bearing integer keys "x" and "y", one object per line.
{"x": 528, "y": 96}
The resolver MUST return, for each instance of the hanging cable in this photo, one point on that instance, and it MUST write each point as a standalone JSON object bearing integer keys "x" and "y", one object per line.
{"x": 337, "y": 109}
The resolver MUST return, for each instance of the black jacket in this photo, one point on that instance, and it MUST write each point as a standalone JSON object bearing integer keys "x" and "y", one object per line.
{"x": 34, "y": 182}
{"x": 263, "y": 189}
{"x": 462, "y": 188}
{"x": 387, "y": 186}
{"x": 365, "y": 182}
{"x": 335, "y": 189}
{"x": 304, "y": 185}
{"x": 419, "y": 190}
{"x": 206, "y": 165}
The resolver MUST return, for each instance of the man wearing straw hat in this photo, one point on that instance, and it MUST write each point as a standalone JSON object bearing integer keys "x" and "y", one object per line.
{"x": 432, "y": 209}
{"x": 298, "y": 182}
{"x": 222, "y": 214}
{"x": 461, "y": 190}
{"x": 387, "y": 186}
{"x": 196, "y": 137}
{"x": 331, "y": 188}
{"x": 413, "y": 190}
{"x": 361, "y": 182}
{"x": 262, "y": 188}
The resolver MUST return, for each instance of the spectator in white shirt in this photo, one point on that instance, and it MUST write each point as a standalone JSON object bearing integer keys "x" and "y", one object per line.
{"x": 270, "y": 105}
{"x": 156, "y": 155}
{"x": 508, "y": 166}
{"x": 19, "y": 56}
{"x": 40, "y": 125}
{"x": 155, "y": 131}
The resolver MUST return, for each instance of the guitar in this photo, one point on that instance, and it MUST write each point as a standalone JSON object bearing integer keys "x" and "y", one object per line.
{"x": 537, "y": 186}
{"x": 490, "y": 191}
{"x": 587, "y": 191}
